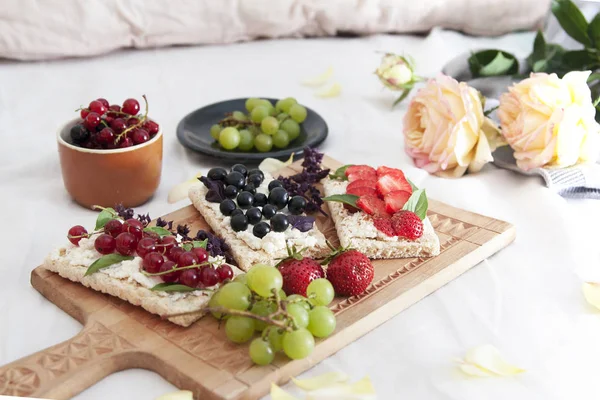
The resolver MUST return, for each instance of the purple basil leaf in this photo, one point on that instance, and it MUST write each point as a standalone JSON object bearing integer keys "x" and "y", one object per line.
{"x": 301, "y": 222}
{"x": 216, "y": 192}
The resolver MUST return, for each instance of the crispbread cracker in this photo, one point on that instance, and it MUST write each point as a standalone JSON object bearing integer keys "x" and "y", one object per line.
{"x": 243, "y": 254}
{"x": 347, "y": 225}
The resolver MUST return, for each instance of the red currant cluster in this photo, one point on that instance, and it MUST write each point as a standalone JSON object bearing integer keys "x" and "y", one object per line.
{"x": 164, "y": 257}
{"x": 105, "y": 126}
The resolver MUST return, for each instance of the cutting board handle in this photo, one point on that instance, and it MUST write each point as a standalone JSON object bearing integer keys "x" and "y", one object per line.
{"x": 62, "y": 371}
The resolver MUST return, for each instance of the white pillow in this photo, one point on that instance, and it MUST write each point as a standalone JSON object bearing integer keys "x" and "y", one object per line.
{"x": 35, "y": 30}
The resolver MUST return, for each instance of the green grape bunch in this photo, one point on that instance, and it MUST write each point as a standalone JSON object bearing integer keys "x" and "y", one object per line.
{"x": 262, "y": 127}
{"x": 255, "y": 308}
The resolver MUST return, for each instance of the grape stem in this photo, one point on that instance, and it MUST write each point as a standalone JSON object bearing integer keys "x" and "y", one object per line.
{"x": 179, "y": 269}
{"x": 138, "y": 125}
{"x": 227, "y": 120}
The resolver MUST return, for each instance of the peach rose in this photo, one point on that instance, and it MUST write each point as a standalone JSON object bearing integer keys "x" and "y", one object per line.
{"x": 445, "y": 131}
{"x": 549, "y": 121}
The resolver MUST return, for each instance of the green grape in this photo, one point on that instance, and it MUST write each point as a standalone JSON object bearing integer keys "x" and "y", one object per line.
{"x": 214, "y": 302}
{"x": 275, "y": 339}
{"x": 259, "y": 113}
{"x": 253, "y": 270}
{"x": 241, "y": 278}
{"x": 298, "y": 314}
{"x": 254, "y": 130}
{"x": 321, "y": 321}
{"x": 282, "y": 117}
{"x": 298, "y": 113}
{"x": 229, "y": 138}
{"x": 291, "y": 127}
{"x": 261, "y": 352}
{"x": 321, "y": 291}
{"x": 269, "y": 125}
{"x": 297, "y": 299}
{"x": 234, "y": 295}
{"x": 239, "y": 329}
{"x": 285, "y": 104}
{"x": 246, "y": 140}
{"x": 215, "y": 130}
{"x": 262, "y": 308}
{"x": 263, "y": 143}
{"x": 281, "y": 139}
{"x": 298, "y": 344}
{"x": 264, "y": 280}
{"x": 251, "y": 103}
{"x": 240, "y": 116}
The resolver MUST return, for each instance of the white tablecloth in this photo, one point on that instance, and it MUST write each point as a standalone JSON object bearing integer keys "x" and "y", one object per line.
{"x": 526, "y": 300}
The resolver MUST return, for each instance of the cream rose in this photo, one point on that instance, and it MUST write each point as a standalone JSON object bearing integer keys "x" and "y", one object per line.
{"x": 549, "y": 121}
{"x": 395, "y": 72}
{"x": 445, "y": 131}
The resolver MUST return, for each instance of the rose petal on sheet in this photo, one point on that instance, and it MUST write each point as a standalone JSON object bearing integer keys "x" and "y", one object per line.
{"x": 360, "y": 390}
{"x": 180, "y": 191}
{"x": 591, "y": 292}
{"x": 178, "y": 395}
{"x": 278, "y": 393}
{"x": 318, "y": 80}
{"x": 321, "y": 381}
{"x": 272, "y": 165}
{"x": 332, "y": 91}
{"x": 488, "y": 359}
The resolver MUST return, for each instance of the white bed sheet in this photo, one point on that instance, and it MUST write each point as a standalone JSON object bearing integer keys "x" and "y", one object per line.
{"x": 526, "y": 300}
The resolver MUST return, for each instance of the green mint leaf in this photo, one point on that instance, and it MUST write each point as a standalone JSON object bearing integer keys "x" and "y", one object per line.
{"x": 412, "y": 185}
{"x": 105, "y": 215}
{"x": 417, "y": 203}
{"x": 572, "y": 20}
{"x": 200, "y": 243}
{"x": 106, "y": 261}
{"x": 594, "y": 31}
{"x": 349, "y": 199}
{"x": 162, "y": 232}
{"x": 580, "y": 60}
{"x": 500, "y": 65}
{"x": 187, "y": 246}
{"x": 492, "y": 63}
{"x": 539, "y": 50}
{"x": 340, "y": 173}
{"x": 172, "y": 287}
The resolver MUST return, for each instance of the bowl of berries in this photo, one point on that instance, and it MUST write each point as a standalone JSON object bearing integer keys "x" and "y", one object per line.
{"x": 111, "y": 154}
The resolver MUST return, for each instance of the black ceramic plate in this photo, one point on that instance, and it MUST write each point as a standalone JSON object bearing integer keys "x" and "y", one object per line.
{"x": 194, "y": 133}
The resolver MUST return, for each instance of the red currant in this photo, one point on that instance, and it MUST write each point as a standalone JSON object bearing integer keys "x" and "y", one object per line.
{"x": 92, "y": 120}
{"x": 118, "y": 125}
{"x": 151, "y": 127}
{"x": 132, "y": 121}
{"x": 174, "y": 254}
{"x": 131, "y": 107}
{"x": 126, "y": 243}
{"x": 103, "y": 101}
{"x": 166, "y": 244}
{"x": 84, "y": 113}
{"x": 201, "y": 254}
{"x": 187, "y": 258}
{"x": 145, "y": 246}
{"x": 106, "y": 136}
{"x": 134, "y": 227}
{"x": 126, "y": 142}
{"x": 189, "y": 277}
{"x": 152, "y": 262}
{"x": 114, "y": 107}
{"x": 105, "y": 244}
{"x": 108, "y": 119}
{"x": 208, "y": 276}
{"x": 97, "y": 107}
{"x": 113, "y": 227}
{"x": 140, "y": 136}
{"x": 225, "y": 272}
{"x": 76, "y": 233}
{"x": 170, "y": 277}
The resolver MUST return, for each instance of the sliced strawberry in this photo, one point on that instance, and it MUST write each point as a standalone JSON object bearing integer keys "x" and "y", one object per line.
{"x": 381, "y": 171}
{"x": 384, "y": 225}
{"x": 362, "y": 175}
{"x": 362, "y": 191}
{"x": 391, "y": 182}
{"x": 394, "y": 201}
{"x": 362, "y": 182}
{"x": 372, "y": 205}
{"x": 363, "y": 169}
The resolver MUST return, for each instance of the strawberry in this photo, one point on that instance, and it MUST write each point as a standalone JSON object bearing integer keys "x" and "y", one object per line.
{"x": 381, "y": 171}
{"x": 372, "y": 205}
{"x": 394, "y": 201}
{"x": 362, "y": 191}
{"x": 407, "y": 224}
{"x": 363, "y": 169}
{"x": 350, "y": 272}
{"x": 393, "y": 181}
{"x": 361, "y": 182}
{"x": 298, "y": 272}
{"x": 384, "y": 225}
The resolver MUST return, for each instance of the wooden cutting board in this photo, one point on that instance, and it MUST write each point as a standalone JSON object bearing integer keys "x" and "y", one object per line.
{"x": 118, "y": 336}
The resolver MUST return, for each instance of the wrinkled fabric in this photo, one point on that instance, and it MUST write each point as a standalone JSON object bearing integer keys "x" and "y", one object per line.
{"x": 37, "y": 30}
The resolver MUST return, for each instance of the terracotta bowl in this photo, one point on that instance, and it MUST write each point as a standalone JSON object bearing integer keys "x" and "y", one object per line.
{"x": 108, "y": 177}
